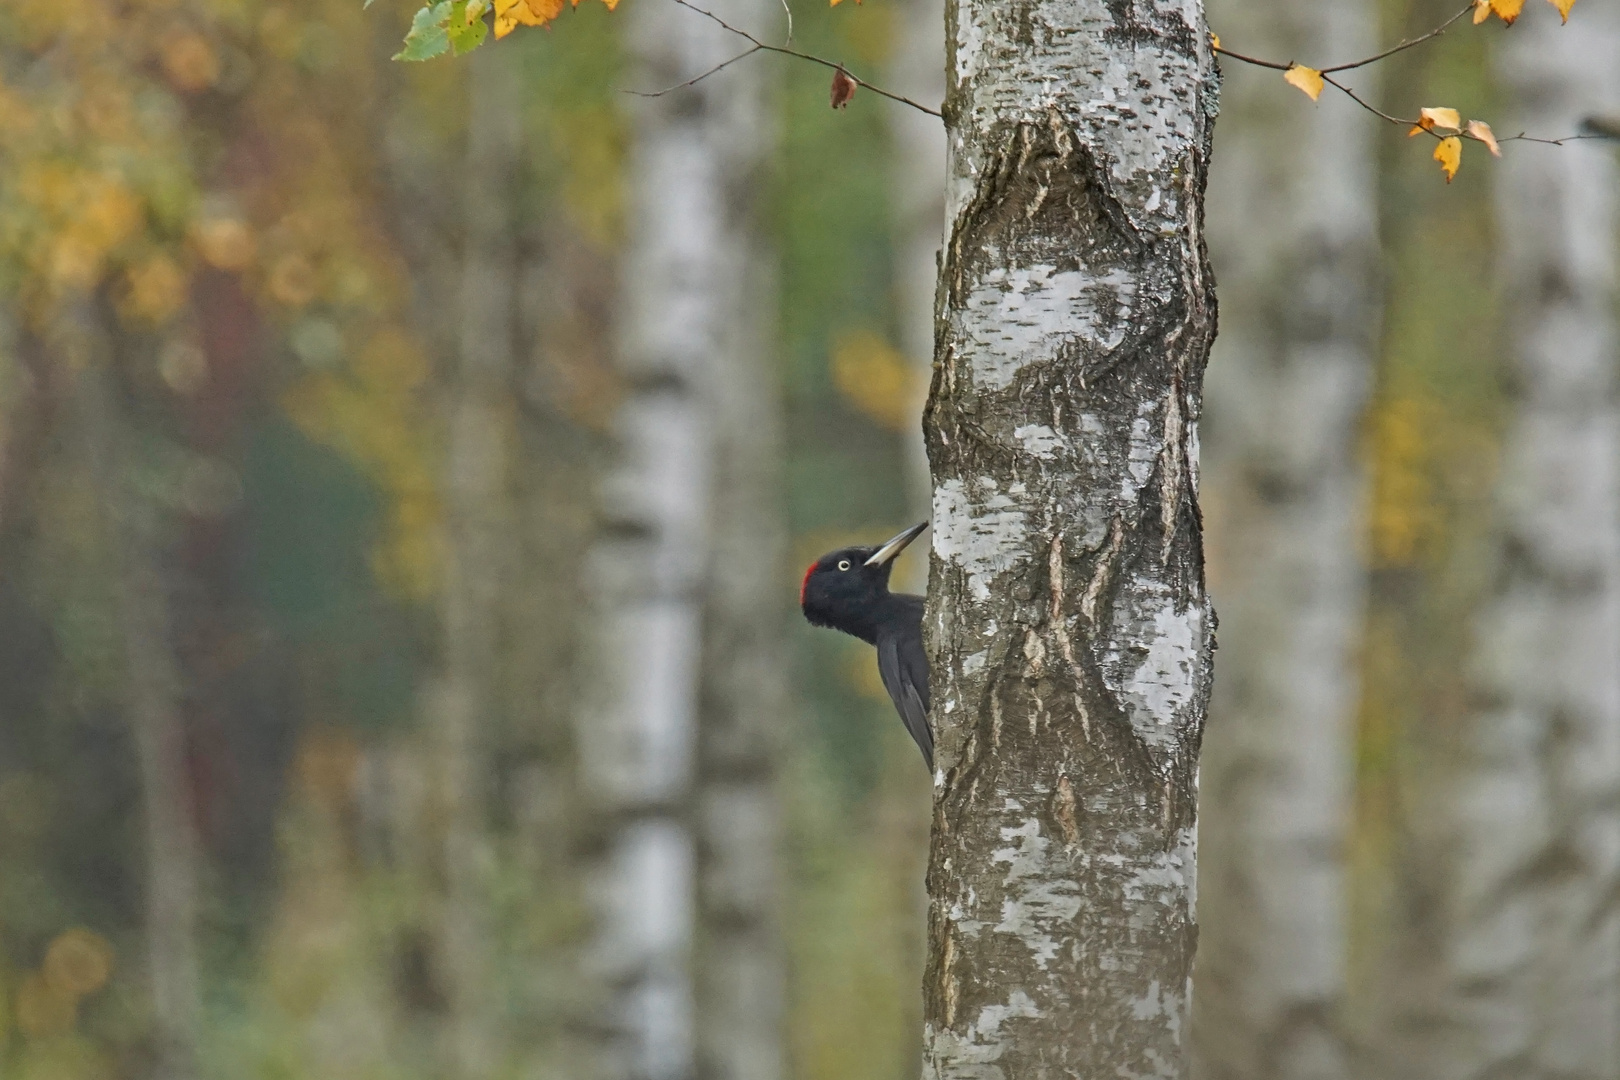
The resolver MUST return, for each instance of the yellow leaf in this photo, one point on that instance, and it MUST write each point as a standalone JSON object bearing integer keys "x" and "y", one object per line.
{"x": 1480, "y": 130}
{"x": 1563, "y": 7}
{"x": 1214, "y": 40}
{"x": 1442, "y": 118}
{"x": 611, "y": 4}
{"x": 1307, "y": 79}
{"x": 1507, "y": 10}
{"x": 1449, "y": 155}
{"x": 1482, "y": 11}
{"x": 510, "y": 14}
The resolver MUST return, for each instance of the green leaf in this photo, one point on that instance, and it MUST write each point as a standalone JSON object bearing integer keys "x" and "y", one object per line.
{"x": 466, "y": 29}
{"x": 428, "y": 37}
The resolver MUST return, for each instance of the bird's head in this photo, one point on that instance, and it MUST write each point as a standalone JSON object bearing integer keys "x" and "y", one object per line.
{"x": 843, "y": 588}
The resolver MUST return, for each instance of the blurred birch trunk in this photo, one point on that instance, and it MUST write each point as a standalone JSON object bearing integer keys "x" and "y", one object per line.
{"x": 1069, "y": 632}
{"x": 479, "y": 539}
{"x": 685, "y": 565}
{"x": 1293, "y": 234}
{"x": 152, "y": 688}
{"x": 1526, "y": 908}
{"x": 740, "y": 990}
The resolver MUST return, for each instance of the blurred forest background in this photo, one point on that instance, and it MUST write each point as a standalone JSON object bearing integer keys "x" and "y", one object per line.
{"x": 355, "y": 473}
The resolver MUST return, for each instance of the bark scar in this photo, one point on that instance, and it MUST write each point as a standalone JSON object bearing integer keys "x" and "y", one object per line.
{"x": 1060, "y": 630}
{"x": 1063, "y": 808}
{"x": 1172, "y": 462}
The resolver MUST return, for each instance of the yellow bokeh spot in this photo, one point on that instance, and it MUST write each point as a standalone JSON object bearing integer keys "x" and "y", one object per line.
{"x": 861, "y": 672}
{"x": 42, "y": 1010}
{"x": 1404, "y": 512}
{"x": 190, "y": 62}
{"x": 156, "y": 290}
{"x": 73, "y": 262}
{"x": 878, "y": 380}
{"x": 106, "y": 212}
{"x": 293, "y": 281}
{"x": 78, "y": 962}
{"x": 225, "y": 243}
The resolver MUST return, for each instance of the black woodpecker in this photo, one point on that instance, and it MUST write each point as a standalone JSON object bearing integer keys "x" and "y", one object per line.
{"x": 848, "y": 590}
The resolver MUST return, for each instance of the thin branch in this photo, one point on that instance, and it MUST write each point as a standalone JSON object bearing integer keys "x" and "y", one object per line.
{"x": 694, "y": 80}
{"x": 1256, "y": 61}
{"x": 789, "y": 13}
{"x": 760, "y": 46}
{"x": 1403, "y": 46}
{"x": 1520, "y": 137}
{"x": 1391, "y": 51}
{"x": 1327, "y": 77}
{"x": 1365, "y": 104}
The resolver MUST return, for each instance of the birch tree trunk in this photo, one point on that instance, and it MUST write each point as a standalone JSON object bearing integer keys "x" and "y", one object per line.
{"x": 152, "y": 685}
{"x": 1294, "y": 234}
{"x": 479, "y": 549}
{"x": 1529, "y": 918}
{"x": 741, "y": 976}
{"x": 691, "y": 359}
{"x": 744, "y": 698}
{"x": 1070, "y": 634}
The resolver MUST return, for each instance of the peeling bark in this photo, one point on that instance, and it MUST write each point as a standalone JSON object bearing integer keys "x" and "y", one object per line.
{"x": 1069, "y": 631}
{"x": 1527, "y": 982}
{"x": 1294, "y": 237}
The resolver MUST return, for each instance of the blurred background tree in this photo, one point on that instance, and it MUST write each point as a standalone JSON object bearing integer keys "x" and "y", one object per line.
{"x": 310, "y": 376}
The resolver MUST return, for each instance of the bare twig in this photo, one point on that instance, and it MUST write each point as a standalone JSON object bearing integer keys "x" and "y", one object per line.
{"x": 789, "y": 13}
{"x": 760, "y": 46}
{"x": 1365, "y": 104}
{"x": 694, "y": 80}
{"x": 1391, "y": 51}
{"x": 1403, "y": 46}
{"x": 1520, "y": 137}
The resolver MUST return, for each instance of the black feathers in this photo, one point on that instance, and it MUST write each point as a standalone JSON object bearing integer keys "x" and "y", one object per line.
{"x": 848, "y": 590}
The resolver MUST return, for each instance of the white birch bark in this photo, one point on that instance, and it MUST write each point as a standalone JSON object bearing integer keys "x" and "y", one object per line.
{"x": 741, "y": 977}
{"x": 478, "y": 536}
{"x": 152, "y": 690}
{"x": 740, "y": 953}
{"x": 688, "y": 300}
{"x": 1528, "y": 912}
{"x": 1293, "y": 235}
{"x": 1070, "y": 635}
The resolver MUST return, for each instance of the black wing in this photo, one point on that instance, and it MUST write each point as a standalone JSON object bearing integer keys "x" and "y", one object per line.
{"x": 904, "y": 668}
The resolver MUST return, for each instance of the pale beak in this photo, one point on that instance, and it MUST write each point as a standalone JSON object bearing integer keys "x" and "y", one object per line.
{"x": 888, "y": 551}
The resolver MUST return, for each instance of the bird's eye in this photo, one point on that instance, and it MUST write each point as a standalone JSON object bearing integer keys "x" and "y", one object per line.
{"x": 843, "y": 564}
